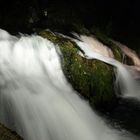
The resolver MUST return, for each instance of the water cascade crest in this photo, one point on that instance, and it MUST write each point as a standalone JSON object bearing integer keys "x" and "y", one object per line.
{"x": 128, "y": 84}
{"x": 36, "y": 100}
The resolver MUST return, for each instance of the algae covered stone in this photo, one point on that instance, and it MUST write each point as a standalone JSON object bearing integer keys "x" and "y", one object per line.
{"x": 92, "y": 79}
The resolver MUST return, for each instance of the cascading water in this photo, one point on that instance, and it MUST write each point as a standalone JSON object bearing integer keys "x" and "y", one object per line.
{"x": 128, "y": 85}
{"x": 36, "y": 101}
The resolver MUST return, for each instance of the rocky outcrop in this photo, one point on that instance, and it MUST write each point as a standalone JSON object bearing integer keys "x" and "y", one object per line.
{"x": 92, "y": 79}
{"x": 7, "y": 134}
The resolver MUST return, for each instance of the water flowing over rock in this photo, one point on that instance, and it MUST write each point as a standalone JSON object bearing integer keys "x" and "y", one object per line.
{"x": 37, "y": 101}
{"x": 91, "y": 78}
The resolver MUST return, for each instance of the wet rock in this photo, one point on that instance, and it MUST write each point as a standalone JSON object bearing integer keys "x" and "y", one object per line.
{"x": 7, "y": 134}
{"x": 93, "y": 79}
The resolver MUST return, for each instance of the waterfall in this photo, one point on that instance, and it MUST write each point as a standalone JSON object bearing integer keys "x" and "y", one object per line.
{"x": 36, "y": 100}
{"x": 128, "y": 85}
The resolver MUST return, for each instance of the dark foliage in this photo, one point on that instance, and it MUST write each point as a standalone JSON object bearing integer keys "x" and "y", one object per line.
{"x": 118, "y": 19}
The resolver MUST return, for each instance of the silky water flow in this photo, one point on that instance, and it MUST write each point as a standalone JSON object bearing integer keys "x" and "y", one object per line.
{"x": 36, "y": 100}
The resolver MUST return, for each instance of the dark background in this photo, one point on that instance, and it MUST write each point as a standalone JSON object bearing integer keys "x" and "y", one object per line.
{"x": 118, "y": 19}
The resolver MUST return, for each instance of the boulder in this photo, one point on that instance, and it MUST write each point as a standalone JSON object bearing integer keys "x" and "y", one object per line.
{"x": 92, "y": 79}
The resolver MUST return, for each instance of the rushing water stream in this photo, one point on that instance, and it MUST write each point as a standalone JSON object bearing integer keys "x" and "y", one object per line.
{"x": 36, "y": 100}
{"x": 129, "y": 86}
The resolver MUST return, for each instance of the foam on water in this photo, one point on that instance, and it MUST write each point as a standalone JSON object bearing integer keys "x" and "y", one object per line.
{"x": 36, "y": 101}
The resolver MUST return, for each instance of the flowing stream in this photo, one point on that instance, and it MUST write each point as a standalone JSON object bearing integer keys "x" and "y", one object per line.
{"x": 36, "y": 100}
{"x": 128, "y": 85}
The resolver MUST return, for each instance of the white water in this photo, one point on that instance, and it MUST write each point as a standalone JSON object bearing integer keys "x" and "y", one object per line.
{"x": 128, "y": 85}
{"x": 36, "y": 100}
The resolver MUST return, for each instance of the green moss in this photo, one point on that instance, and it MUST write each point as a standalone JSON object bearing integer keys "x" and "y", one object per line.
{"x": 93, "y": 79}
{"x": 118, "y": 54}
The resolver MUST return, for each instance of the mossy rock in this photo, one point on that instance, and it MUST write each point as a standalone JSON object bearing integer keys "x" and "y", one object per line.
{"x": 93, "y": 79}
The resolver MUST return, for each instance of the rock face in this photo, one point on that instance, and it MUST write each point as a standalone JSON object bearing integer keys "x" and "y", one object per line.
{"x": 92, "y": 79}
{"x": 6, "y": 134}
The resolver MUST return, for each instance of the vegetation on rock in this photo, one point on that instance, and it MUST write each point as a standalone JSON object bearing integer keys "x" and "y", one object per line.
{"x": 93, "y": 79}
